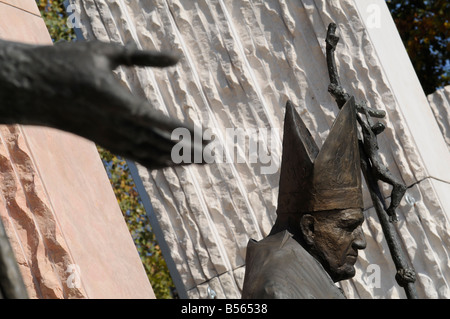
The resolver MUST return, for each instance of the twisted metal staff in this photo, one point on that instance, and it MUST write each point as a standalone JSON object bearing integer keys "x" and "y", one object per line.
{"x": 373, "y": 169}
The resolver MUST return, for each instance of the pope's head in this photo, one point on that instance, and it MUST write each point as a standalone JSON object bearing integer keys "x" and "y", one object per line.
{"x": 320, "y": 197}
{"x": 334, "y": 238}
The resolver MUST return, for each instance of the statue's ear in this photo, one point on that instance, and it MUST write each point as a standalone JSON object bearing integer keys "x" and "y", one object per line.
{"x": 307, "y": 228}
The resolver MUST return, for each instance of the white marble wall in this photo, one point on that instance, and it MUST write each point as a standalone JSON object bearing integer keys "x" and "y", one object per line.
{"x": 241, "y": 60}
{"x": 440, "y": 104}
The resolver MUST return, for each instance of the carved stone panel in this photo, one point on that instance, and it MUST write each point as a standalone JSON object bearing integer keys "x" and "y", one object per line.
{"x": 240, "y": 62}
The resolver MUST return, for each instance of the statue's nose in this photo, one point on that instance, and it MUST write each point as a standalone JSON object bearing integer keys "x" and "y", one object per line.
{"x": 360, "y": 239}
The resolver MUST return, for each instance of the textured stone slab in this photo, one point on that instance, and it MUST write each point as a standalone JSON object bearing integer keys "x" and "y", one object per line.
{"x": 88, "y": 214}
{"x": 40, "y": 247}
{"x": 423, "y": 227}
{"x": 240, "y": 62}
{"x": 411, "y": 102}
{"x": 220, "y": 287}
{"x": 440, "y": 105}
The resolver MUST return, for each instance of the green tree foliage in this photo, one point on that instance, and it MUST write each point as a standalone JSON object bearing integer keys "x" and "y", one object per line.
{"x": 138, "y": 224}
{"x": 53, "y": 13}
{"x": 119, "y": 175}
{"x": 424, "y": 27}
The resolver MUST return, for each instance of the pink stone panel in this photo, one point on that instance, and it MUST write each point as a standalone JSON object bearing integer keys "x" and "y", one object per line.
{"x": 57, "y": 204}
{"x": 26, "y": 5}
{"x": 88, "y": 213}
{"x": 31, "y": 218}
{"x": 20, "y": 25}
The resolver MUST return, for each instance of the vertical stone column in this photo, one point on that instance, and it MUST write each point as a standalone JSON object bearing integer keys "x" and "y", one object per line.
{"x": 56, "y": 202}
{"x": 241, "y": 60}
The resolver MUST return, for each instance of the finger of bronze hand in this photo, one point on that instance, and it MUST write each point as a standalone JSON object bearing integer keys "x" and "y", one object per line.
{"x": 363, "y": 108}
{"x": 144, "y": 58}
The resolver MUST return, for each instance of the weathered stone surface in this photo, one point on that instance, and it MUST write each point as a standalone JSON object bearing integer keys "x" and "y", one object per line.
{"x": 440, "y": 104}
{"x": 57, "y": 204}
{"x": 220, "y": 287}
{"x": 424, "y": 230}
{"x": 29, "y": 213}
{"x": 421, "y": 136}
{"x": 240, "y": 62}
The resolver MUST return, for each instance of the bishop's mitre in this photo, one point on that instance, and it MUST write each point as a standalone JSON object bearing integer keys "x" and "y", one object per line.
{"x": 313, "y": 180}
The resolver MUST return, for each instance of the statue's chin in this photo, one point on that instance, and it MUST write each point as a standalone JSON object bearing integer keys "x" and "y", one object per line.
{"x": 345, "y": 272}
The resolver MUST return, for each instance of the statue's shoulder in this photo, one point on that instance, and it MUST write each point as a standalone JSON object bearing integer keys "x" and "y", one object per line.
{"x": 278, "y": 267}
{"x": 274, "y": 246}
{"x": 268, "y": 251}
{"x": 267, "y": 266}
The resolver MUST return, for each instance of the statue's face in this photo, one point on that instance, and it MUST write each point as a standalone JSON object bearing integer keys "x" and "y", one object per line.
{"x": 335, "y": 238}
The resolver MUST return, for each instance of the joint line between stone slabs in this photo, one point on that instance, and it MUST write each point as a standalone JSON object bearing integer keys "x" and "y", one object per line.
{"x": 21, "y": 9}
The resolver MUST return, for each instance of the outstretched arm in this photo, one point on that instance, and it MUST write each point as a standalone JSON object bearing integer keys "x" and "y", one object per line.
{"x": 71, "y": 86}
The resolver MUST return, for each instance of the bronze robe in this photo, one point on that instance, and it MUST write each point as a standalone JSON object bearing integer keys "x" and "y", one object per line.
{"x": 278, "y": 267}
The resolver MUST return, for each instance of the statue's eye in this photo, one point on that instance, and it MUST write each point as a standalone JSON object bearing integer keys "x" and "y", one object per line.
{"x": 349, "y": 225}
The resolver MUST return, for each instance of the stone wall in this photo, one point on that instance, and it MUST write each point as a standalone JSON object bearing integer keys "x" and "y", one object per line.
{"x": 57, "y": 204}
{"x": 240, "y": 61}
{"x": 440, "y": 104}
